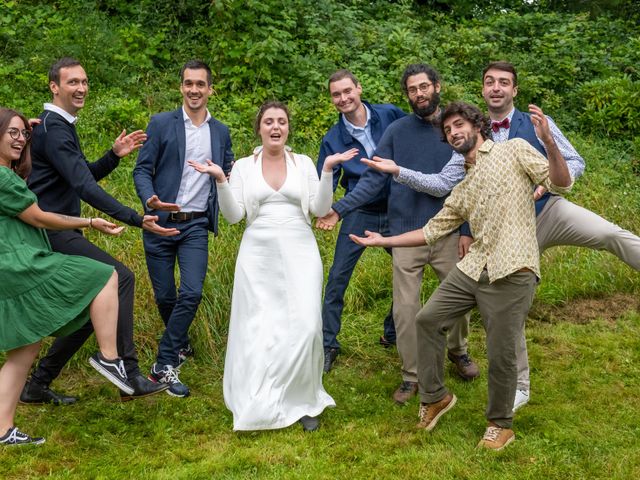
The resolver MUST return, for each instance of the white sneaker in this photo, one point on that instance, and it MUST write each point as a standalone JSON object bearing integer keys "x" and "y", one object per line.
{"x": 522, "y": 398}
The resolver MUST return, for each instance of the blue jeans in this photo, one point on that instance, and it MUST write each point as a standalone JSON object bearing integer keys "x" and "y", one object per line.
{"x": 346, "y": 256}
{"x": 177, "y": 309}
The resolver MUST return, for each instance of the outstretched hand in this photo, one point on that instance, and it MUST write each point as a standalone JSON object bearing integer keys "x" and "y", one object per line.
{"x": 154, "y": 203}
{"x": 332, "y": 160}
{"x": 384, "y": 165}
{"x": 125, "y": 144}
{"x": 371, "y": 239}
{"x": 149, "y": 224}
{"x": 106, "y": 226}
{"x": 210, "y": 168}
{"x": 329, "y": 221}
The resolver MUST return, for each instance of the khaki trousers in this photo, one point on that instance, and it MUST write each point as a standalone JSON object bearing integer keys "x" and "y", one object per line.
{"x": 504, "y": 305}
{"x": 408, "y": 271}
{"x": 564, "y": 223}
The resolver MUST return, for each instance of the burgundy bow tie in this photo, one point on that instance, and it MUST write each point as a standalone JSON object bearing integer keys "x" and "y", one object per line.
{"x": 495, "y": 126}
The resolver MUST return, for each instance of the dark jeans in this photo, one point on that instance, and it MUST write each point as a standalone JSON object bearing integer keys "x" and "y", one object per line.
{"x": 71, "y": 242}
{"x": 177, "y": 307}
{"x": 346, "y": 256}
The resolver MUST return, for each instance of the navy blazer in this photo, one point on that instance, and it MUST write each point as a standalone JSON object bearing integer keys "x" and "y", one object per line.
{"x": 158, "y": 170}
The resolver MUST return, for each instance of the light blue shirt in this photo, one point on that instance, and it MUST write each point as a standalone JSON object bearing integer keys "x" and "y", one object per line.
{"x": 362, "y": 134}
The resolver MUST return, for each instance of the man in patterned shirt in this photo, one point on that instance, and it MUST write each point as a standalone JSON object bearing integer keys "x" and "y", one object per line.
{"x": 500, "y": 272}
{"x": 559, "y": 221}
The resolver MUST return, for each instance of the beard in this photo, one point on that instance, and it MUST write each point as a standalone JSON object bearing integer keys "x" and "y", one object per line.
{"x": 431, "y": 107}
{"x": 467, "y": 145}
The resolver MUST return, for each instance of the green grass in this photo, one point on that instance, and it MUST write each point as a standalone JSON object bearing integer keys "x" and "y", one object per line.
{"x": 581, "y": 421}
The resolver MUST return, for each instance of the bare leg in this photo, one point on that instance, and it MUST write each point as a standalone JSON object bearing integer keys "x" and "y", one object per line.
{"x": 13, "y": 375}
{"x": 104, "y": 317}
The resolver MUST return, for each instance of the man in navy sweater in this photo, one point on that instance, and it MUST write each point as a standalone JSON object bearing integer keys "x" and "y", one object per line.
{"x": 558, "y": 221}
{"x": 360, "y": 125}
{"x": 61, "y": 178}
{"x": 414, "y": 142}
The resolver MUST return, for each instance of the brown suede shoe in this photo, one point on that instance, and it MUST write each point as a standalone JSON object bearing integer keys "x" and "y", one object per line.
{"x": 496, "y": 438}
{"x": 466, "y": 368}
{"x": 430, "y": 413}
{"x": 405, "y": 391}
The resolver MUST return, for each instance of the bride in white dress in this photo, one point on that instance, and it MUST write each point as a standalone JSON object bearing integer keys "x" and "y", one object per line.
{"x": 273, "y": 365}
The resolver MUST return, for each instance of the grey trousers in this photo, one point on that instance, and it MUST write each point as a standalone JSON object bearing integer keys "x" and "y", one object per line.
{"x": 564, "y": 223}
{"x": 504, "y": 305}
{"x": 408, "y": 271}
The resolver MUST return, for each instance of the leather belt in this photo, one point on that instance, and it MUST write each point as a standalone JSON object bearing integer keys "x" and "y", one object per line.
{"x": 185, "y": 216}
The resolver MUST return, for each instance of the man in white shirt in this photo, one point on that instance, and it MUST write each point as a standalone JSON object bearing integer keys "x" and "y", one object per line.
{"x": 184, "y": 199}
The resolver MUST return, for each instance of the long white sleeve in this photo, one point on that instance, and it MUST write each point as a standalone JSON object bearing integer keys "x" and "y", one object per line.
{"x": 230, "y": 198}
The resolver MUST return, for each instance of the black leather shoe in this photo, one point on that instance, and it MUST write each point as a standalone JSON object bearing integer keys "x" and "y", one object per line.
{"x": 330, "y": 355}
{"x": 310, "y": 424}
{"x": 142, "y": 387}
{"x": 38, "y": 394}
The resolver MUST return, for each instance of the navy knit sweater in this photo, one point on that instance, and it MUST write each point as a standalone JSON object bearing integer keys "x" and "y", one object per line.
{"x": 61, "y": 175}
{"x": 412, "y": 143}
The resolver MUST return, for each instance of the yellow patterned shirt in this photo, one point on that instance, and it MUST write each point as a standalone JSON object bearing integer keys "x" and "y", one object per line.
{"x": 496, "y": 198}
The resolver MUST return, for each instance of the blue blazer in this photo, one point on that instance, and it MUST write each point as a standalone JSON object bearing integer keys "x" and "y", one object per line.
{"x": 158, "y": 170}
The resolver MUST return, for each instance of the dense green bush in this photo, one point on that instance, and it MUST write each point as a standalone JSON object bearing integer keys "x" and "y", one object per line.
{"x": 611, "y": 106}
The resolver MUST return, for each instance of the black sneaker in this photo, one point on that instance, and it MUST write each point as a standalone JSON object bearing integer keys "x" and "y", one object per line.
{"x": 185, "y": 353}
{"x": 169, "y": 375}
{"x": 16, "y": 437}
{"x": 112, "y": 370}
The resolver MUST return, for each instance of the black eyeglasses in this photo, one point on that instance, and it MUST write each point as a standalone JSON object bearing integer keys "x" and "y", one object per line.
{"x": 15, "y": 133}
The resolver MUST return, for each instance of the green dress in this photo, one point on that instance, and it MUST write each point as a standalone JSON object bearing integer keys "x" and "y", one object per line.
{"x": 41, "y": 292}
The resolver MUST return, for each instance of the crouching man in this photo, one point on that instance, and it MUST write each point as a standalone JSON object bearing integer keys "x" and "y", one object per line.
{"x": 501, "y": 270}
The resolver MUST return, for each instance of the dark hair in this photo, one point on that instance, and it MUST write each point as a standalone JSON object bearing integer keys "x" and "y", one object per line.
{"x": 22, "y": 166}
{"x": 266, "y": 106}
{"x": 64, "y": 62}
{"x": 503, "y": 66}
{"x": 470, "y": 113}
{"x": 196, "y": 65}
{"x": 341, "y": 75}
{"x": 415, "y": 69}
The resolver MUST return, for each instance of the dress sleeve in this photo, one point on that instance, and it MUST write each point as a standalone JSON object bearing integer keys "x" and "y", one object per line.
{"x": 15, "y": 197}
{"x": 231, "y": 195}
{"x": 320, "y": 190}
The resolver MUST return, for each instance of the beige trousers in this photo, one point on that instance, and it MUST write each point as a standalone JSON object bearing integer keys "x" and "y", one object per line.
{"x": 564, "y": 223}
{"x": 408, "y": 271}
{"x": 503, "y": 306}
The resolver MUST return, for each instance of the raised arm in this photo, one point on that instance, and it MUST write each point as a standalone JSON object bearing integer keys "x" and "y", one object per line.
{"x": 71, "y": 164}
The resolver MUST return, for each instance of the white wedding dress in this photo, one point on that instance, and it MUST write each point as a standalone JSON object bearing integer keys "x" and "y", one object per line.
{"x": 273, "y": 365}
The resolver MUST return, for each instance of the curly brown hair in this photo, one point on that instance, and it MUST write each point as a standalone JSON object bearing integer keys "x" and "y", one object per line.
{"x": 470, "y": 113}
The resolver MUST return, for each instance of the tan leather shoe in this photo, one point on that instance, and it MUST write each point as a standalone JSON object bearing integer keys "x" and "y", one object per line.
{"x": 430, "y": 413}
{"x": 496, "y": 438}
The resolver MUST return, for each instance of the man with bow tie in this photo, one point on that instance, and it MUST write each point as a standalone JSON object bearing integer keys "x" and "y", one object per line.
{"x": 558, "y": 221}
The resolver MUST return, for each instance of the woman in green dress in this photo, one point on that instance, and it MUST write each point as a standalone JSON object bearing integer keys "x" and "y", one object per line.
{"x": 44, "y": 293}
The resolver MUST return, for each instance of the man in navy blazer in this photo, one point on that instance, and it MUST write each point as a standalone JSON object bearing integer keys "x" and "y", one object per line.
{"x": 184, "y": 199}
